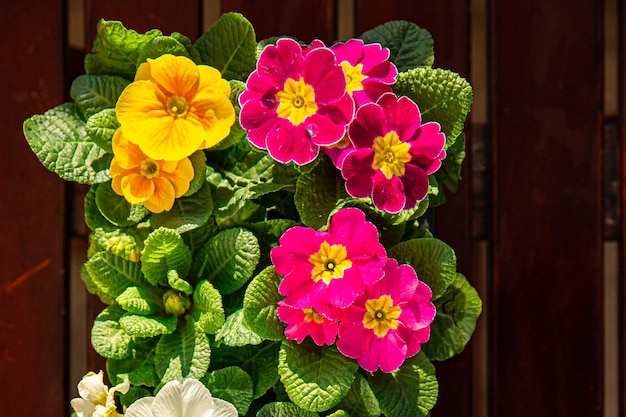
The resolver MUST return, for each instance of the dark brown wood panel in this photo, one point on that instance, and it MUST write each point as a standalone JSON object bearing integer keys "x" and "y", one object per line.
{"x": 622, "y": 237}
{"x": 304, "y": 20}
{"x": 33, "y": 322}
{"x": 546, "y": 331}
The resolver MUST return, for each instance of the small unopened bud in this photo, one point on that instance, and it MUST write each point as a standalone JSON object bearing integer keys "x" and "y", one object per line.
{"x": 175, "y": 303}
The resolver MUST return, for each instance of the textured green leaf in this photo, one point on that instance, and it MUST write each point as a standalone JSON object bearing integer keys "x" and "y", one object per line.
{"x": 59, "y": 140}
{"x": 178, "y": 283}
{"x": 284, "y": 409}
{"x": 116, "y": 49}
{"x": 411, "y": 391}
{"x": 410, "y": 46}
{"x": 113, "y": 274}
{"x": 186, "y": 353}
{"x": 125, "y": 243}
{"x": 234, "y": 385}
{"x": 317, "y": 194}
{"x": 144, "y": 326}
{"x": 433, "y": 260}
{"x": 260, "y": 303}
{"x": 198, "y": 161}
{"x": 339, "y": 413}
{"x": 116, "y": 209}
{"x": 138, "y": 368}
{"x": 443, "y": 96}
{"x": 228, "y": 259}
{"x": 207, "y": 310}
{"x": 360, "y": 400}
{"x": 316, "y": 378}
{"x": 449, "y": 174}
{"x": 107, "y": 336}
{"x": 93, "y": 288}
{"x": 164, "y": 250}
{"x": 161, "y": 45}
{"x": 186, "y": 42}
{"x": 230, "y": 46}
{"x": 236, "y": 332}
{"x": 94, "y": 93}
{"x": 188, "y": 213}
{"x": 268, "y": 232}
{"x": 139, "y": 300}
{"x": 457, "y": 312}
{"x": 101, "y": 127}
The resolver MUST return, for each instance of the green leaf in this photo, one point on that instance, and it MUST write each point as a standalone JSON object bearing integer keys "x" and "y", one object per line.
{"x": 144, "y": 326}
{"x": 433, "y": 260}
{"x": 138, "y": 368}
{"x": 164, "y": 250}
{"x": 449, "y": 174}
{"x": 410, "y": 46}
{"x": 411, "y": 391}
{"x": 317, "y": 194}
{"x": 339, "y": 413}
{"x": 139, "y": 300}
{"x": 94, "y": 93}
{"x": 101, "y": 127}
{"x": 360, "y": 400}
{"x": 230, "y": 46}
{"x": 186, "y": 42}
{"x": 198, "y": 162}
{"x": 228, "y": 259}
{"x": 268, "y": 232}
{"x": 177, "y": 283}
{"x": 116, "y": 49}
{"x": 188, "y": 213}
{"x": 208, "y": 310}
{"x": 107, "y": 336}
{"x": 125, "y": 243}
{"x": 234, "y": 385}
{"x": 113, "y": 274}
{"x": 116, "y": 209}
{"x": 457, "y": 312}
{"x": 59, "y": 140}
{"x": 236, "y": 332}
{"x": 186, "y": 353}
{"x": 161, "y": 45}
{"x": 284, "y": 409}
{"x": 442, "y": 96}
{"x": 316, "y": 378}
{"x": 260, "y": 304}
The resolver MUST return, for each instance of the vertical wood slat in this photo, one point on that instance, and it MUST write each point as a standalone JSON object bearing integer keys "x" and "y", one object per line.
{"x": 33, "y": 322}
{"x": 546, "y": 312}
{"x": 621, "y": 123}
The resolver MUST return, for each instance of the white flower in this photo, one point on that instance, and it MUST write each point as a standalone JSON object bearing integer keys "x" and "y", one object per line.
{"x": 97, "y": 400}
{"x": 189, "y": 399}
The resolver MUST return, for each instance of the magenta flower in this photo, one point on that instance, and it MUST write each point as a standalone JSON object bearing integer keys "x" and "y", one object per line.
{"x": 394, "y": 154}
{"x": 295, "y": 102}
{"x": 388, "y": 323}
{"x": 303, "y": 322}
{"x": 329, "y": 269}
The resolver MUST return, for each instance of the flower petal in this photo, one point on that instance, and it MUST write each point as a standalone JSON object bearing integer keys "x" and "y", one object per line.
{"x": 137, "y": 188}
{"x": 196, "y": 399}
{"x": 322, "y": 71}
{"x": 358, "y": 172}
{"x": 290, "y": 143}
{"x": 162, "y": 199}
{"x": 140, "y": 408}
{"x": 180, "y": 177}
{"x": 388, "y": 194}
{"x": 177, "y": 75}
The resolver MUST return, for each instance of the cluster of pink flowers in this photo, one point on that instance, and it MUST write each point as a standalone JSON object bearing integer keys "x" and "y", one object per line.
{"x": 340, "y": 285}
{"x": 338, "y": 99}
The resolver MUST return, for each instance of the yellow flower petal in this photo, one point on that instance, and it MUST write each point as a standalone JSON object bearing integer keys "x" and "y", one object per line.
{"x": 137, "y": 188}
{"x": 211, "y": 78}
{"x": 177, "y": 75}
{"x": 127, "y": 154}
{"x": 163, "y": 197}
{"x": 143, "y": 72}
{"x": 180, "y": 177}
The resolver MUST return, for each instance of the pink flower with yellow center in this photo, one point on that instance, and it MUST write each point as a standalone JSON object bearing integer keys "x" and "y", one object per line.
{"x": 141, "y": 179}
{"x": 303, "y": 322}
{"x": 389, "y": 322}
{"x": 327, "y": 270}
{"x": 175, "y": 107}
{"x": 394, "y": 154}
{"x": 295, "y": 102}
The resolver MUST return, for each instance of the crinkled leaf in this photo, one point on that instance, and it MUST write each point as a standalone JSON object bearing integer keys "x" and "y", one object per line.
{"x": 457, "y": 312}
{"x": 230, "y": 46}
{"x": 317, "y": 194}
{"x": 208, "y": 310}
{"x": 145, "y": 326}
{"x": 236, "y": 332}
{"x": 268, "y": 232}
{"x": 188, "y": 213}
{"x": 59, "y": 140}
{"x": 113, "y": 274}
{"x": 101, "y": 127}
{"x": 139, "y": 300}
{"x": 433, "y": 260}
{"x": 93, "y": 93}
{"x": 284, "y": 409}
{"x": 126, "y": 243}
{"x": 339, "y": 413}
{"x": 138, "y": 368}
{"x": 186, "y": 42}
{"x": 186, "y": 353}
{"x": 198, "y": 162}
{"x": 411, "y": 391}
{"x": 260, "y": 303}
{"x": 93, "y": 288}
{"x": 316, "y": 378}
{"x": 116, "y": 209}
{"x": 116, "y": 49}
{"x": 443, "y": 96}
{"x": 164, "y": 250}
{"x": 228, "y": 259}
{"x": 107, "y": 336}
{"x": 161, "y": 45}
{"x": 360, "y": 400}
{"x": 232, "y": 384}
{"x": 178, "y": 283}
{"x": 450, "y": 172}
{"x": 410, "y": 46}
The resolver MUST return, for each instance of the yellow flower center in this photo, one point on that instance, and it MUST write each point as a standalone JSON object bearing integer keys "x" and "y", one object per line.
{"x": 354, "y": 76}
{"x": 312, "y": 315}
{"x": 297, "y": 101}
{"x": 380, "y": 315}
{"x": 390, "y": 155}
{"x": 149, "y": 168}
{"x": 177, "y": 106}
{"x": 329, "y": 263}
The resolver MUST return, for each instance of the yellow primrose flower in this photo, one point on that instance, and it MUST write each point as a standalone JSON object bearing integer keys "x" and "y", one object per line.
{"x": 175, "y": 107}
{"x": 141, "y": 179}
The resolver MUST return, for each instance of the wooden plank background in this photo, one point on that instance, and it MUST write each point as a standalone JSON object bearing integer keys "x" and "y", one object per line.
{"x": 529, "y": 210}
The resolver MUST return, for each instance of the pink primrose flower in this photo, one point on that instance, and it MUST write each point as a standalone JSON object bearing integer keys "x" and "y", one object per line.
{"x": 394, "y": 153}
{"x": 329, "y": 269}
{"x": 303, "y": 322}
{"x": 389, "y": 322}
{"x": 295, "y": 102}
